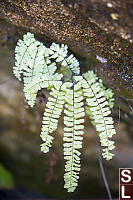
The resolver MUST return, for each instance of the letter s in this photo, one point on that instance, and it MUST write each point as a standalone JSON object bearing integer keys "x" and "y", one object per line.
{"x": 125, "y": 173}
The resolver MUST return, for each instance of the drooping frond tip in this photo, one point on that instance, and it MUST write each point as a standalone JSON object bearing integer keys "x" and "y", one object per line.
{"x": 99, "y": 110}
{"x": 52, "y": 113}
{"x": 37, "y": 65}
{"x": 73, "y": 131}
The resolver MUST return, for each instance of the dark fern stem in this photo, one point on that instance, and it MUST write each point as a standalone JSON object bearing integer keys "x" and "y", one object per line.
{"x": 124, "y": 114}
{"x": 102, "y": 170}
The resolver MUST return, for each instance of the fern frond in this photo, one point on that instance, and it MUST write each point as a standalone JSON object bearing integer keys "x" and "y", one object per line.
{"x": 72, "y": 63}
{"x": 99, "y": 110}
{"x": 29, "y": 54}
{"x": 32, "y": 60}
{"x": 59, "y": 52}
{"x": 37, "y": 65}
{"x": 73, "y": 132}
{"x": 52, "y": 113}
{"x": 108, "y": 93}
{"x": 21, "y": 52}
{"x": 38, "y": 83}
{"x": 60, "y": 55}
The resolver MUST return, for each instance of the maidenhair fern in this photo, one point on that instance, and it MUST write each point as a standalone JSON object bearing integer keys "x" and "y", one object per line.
{"x": 75, "y": 94}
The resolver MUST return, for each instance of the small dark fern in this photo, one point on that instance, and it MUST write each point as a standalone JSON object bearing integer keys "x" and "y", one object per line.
{"x": 38, "y": 66}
